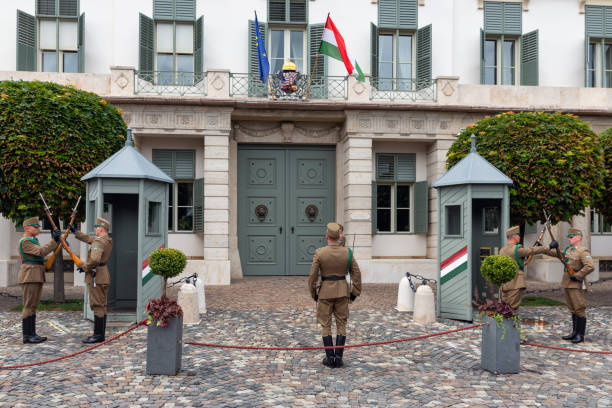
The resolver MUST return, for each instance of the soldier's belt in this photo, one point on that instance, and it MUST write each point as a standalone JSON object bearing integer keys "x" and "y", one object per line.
{"x": 102, "y": 264}
{"x": 33, "y": 262}
{"x": 332, "y": 278}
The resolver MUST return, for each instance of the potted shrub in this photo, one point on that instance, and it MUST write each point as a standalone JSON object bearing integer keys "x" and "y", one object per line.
{"x": 501, "y": 337}
{"x": 165, "y": 323}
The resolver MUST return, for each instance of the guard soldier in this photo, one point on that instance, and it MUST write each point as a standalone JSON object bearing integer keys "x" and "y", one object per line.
{"x": 100, "y": 248}
{"x": 514, "y": 291}
{"x": 334, "y": 262}
{"x": 32, "y": 275}
{"x": 579, "y": 259}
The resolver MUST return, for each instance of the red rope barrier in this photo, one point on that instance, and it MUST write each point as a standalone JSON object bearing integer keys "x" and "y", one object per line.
{"x": 378, "y": 343}
{"x": 527, "y": 343}
{"x": 78, "y": 352}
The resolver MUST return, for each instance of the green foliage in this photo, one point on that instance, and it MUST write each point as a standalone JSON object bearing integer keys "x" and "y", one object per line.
{"x": 168, "y": 263}
{"x": 498, "y": 269}
{"x": 540, "y": 301}
{"x": 71, "y": 305}
{"x": 603, "y": 204}
{"x": 50, "y": 136}
{"x": 553, "y": 159}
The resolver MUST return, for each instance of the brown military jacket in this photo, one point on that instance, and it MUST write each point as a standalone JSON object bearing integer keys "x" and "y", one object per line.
{"x": 30, "y": 250}
{"x": 580, "y": 260}
{"x": 509, "y": 250}
{"x": 332, "y": 260}
{"x": 99, "y": 251}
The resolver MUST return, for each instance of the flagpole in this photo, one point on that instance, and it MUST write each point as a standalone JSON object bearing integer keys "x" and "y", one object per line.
{"x": 315, "y": 64}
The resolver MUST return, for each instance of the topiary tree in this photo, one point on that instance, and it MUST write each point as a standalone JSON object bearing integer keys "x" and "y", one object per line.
{"x": 167, "y": 263}
{"x": 603, "y": 204}
{"x": 498, "y": 269}
{"x": 50, "y": 136}
{"x": 553, "y": 159}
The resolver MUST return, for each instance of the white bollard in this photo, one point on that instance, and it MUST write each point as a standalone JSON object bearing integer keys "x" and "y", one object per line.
{"x": 405, "y": 296}
{"x": 199, "y": 285}
{"x": 188, "y": 301}
{"x": 424, "y": 305}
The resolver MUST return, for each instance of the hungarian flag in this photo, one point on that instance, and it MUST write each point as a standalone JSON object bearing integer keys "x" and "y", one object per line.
{"x": 332, "y": 45}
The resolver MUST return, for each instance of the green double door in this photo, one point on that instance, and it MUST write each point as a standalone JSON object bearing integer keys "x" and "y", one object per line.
{"x": 286, "y": 196}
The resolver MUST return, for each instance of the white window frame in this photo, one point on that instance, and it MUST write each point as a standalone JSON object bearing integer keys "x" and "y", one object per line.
{"x": 394, "y": 208}
{"x": 597, "y": 224}
{"x": 395, "y": 44}
{"x": 499, "y": 52}
{"x": 598, "y": 63}
{"x": 59, "y": 53}
{"x": 177, "y": 78}
{"x": 174, "y": 206}
{"x": 287, "y": 45}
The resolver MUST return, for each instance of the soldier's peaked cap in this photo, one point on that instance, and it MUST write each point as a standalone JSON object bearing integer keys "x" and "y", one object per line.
{"x": 31, "y": 221}
{"x": 103, "y": 223}
{"x": 333, "y": 230}
{"x": 574, "y": 231}
{"x": 513, "y": 230}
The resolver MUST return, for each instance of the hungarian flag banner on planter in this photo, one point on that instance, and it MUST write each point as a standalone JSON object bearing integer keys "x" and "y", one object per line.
{"x": 332, "y": 45}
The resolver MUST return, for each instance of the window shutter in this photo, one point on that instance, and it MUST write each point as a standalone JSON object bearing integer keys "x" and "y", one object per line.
{"x": 387, "y": 13}
{"x": 277, "y": 11}
{"x": 513, "y": 18}
{"x": 406, "y": 167}
{"x": 423, "y": 66}
{"x": 607, "y": 20}
{"x": 298, "y": 11}
{"x": 493, "y": 17}
{"x": 482, "y": 57}
{"x": 163, "y": 160}
{"x": 184, "y": 164}
{"x": 145, "y": 46}
{"x": 184, "y": 10}
{"x": 408, "y": 14}
{"x": 385, "y": 167}
{"x": 69, "y": 8}
{"x": 374, "y": 207}
{"x": 373, "y": 50}
{"x": 529, "y": 59}
{"x": 421, "y": 207}
{"x": 46, "y": 8}
{"x": 26, "y": 42}
{"x": 198, "y": 205}
{"x": 587, "y": 41}
{"x": 319, "y": 81}
{"x": 256, "y": 87}
{"x": 594, "y": 21}
{"x": 198, "y": 49}
{"x": 163, "y": 9}
{"x": 81, "y": 43}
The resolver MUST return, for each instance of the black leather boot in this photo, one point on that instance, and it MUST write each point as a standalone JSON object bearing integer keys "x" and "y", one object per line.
{"x": 28, "y": 330}
{"x": 340, "y": 340}
{"x": 581, "y": 326}
{"x": 98, "y": 335}
{"x": 574, "y": 324}
{"x": 25, "y": 329}
{"x": 330, "y": 359}
{"x": 33, "y": 330}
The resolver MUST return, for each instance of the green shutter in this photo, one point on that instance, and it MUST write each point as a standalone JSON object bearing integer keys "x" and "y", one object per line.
{"x": 318, "y": 88}
{"x": 482, "y": 58}
{"x": 198, "y": 49}
{"x": 81, "y": 43}
{"x": 277, "y": 11}
{"x": 387, "y": 14}
{"x": 46, "y": 8}
{"x": 406, "y": 167}
{"x": 529, "y": 59}
{"x": 513, "y": 18}
{"x": 298, "y": 11}
{"x": 408, "y": 14}
{"x": 373, "y": 50}
{"x": 184, "y": 164}
{"x": 145, "y": 45}
{"x": 374, "y": 208}
{"x": 421, "y": 207}
{"x": 69, "y": 8}
{"x": 423, "y": 63}
{"x": 493, "y": 17}
{"x": 607, "y": 20}
{"x": 256, "y": 87}
{"x": 198, "y": 205}
{"x": 163, "y": 160}
{"x": 587, "y": 41}
{"x": 184, "y": 10}
{"x": 26, "y": 42}
{"x": 594, "y": 21}
{"x": 385, "y": 167}
{"x": 163, "y": 9}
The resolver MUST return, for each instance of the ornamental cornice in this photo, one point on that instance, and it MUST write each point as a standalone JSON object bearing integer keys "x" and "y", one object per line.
{"x": 284, "y": 132}
{"x": 173, "y": 118}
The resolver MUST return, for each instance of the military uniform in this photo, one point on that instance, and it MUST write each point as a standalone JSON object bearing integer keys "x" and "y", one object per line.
{"x": 31, "y": 278}
{"x": 100, "y": 248}
{"x": 579, "y": 259}
{"x": 514, "y": 291}
{"x": 333, "y": 296}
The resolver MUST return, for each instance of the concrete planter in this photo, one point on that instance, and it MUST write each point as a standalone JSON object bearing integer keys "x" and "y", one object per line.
{"x": 497, "y": 355}
{"x": 165, "y": 347}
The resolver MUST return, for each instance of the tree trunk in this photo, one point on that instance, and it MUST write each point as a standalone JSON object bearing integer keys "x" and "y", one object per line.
{"x": 58, "y": 279}
{"x": 164, "y": 287}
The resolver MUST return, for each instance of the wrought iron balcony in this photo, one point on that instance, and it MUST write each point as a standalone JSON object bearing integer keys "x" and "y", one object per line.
{"x": 170, "y": 83}
{"x": 288, "y": 86}
{"x": 402, "y": 89}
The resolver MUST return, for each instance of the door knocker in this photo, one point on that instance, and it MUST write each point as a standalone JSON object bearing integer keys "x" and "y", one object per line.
{"x": 261, "y": 212}
{"x": 311, "y": 212}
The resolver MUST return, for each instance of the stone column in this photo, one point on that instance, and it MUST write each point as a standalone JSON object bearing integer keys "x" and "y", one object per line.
{"x": 216, "y": 208}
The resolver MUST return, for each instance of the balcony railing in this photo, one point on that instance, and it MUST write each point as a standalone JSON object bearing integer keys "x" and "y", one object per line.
{"x": 170, "y": 83}
{"x": 288, "y": 87}
{"x": 402, "y": 89}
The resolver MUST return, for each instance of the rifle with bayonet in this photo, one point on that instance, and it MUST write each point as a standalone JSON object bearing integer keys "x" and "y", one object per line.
{"x": 75, "y": 258}
{"x": 569, "y": 270}
{"x": 50, "y": 260}
{"x": 539, "y": 240}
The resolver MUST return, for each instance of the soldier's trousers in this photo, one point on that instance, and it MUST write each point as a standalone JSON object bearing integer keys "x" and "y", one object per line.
{"x": 339, "y": 308}
{"x": 31, "y": 296}
{"x": 97, "y": 299}
{"x": 576, "y": 301}
{"x": 514, "y": 297}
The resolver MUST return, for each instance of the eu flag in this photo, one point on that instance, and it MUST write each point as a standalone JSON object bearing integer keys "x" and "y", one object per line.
{"x": 262, "y": 55}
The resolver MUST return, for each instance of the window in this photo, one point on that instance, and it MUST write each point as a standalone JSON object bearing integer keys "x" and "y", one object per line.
{"x": 287, "y": 44}
{"x": 180, "y": 210}
{"x": 599, "y": 225}
{"x": 153, "y": 217}
{"x": 58, "y": 56}
{"x": 174, "y": 50}
{"x": 452, "y": 217}
{"x": 500, "y": 61}
{"x": 395, "y": 61}
{"x": 490, "y": 220}
{"x": 598, "y": 47}
{"x": 393, "y": 208}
